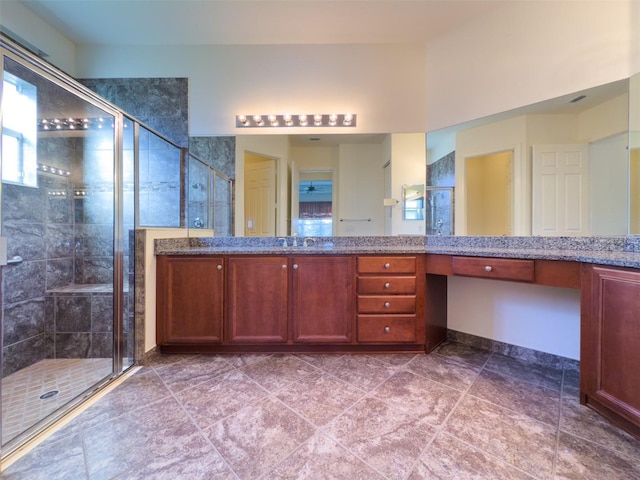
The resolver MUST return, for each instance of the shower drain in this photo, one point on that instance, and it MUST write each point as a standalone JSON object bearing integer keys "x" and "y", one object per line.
{"x": 50, "y": 394}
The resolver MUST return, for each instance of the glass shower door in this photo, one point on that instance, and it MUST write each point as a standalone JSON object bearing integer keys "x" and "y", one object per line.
{"x": 58, "y": 215}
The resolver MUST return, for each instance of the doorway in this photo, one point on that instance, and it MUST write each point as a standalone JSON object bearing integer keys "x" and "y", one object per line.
{"x": 314, "y": 213}
{"x": 489, "y": 193}
{"x": 259, "y": 195}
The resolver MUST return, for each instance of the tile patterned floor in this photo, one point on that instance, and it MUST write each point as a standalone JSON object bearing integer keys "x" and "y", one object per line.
{"x": 459, "y": 413}
{"x": 22, "y": 406}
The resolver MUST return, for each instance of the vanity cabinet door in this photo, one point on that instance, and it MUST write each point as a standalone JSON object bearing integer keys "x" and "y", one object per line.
{"x": 322, "y": 299}
{"x": 610, "y": 344}
{"x": 190, "y": 292}
{"x": 257, "y": 299}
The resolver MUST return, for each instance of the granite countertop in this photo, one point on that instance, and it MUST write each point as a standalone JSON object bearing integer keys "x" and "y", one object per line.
{"x": 616, "y": 251}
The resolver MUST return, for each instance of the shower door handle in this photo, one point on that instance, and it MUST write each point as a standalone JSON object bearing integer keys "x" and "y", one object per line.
{"x": 14, "y": 260}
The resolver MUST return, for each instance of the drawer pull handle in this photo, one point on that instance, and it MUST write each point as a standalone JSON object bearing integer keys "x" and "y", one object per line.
{"x": 387, "y": 265}
{"x": 284, "y": 267}
{"x": 387, "y": 304}
{"x": 219, "y": 267}
{"x": 387, "y": 329}
{"x": 488, "y": 268}
{"x": 387, "y": 285}
{"x": 295, "y": 266}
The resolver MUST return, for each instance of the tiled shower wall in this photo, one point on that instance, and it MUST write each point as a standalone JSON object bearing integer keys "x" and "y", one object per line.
{"x": 163, "y": 105}
{"x": 440, "y": 203}
{"x": 218, "y": 153}
{"x": 64, "y": 240}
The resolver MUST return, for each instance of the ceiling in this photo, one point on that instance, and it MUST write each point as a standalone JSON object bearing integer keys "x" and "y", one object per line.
{"x": 255, "y": 22}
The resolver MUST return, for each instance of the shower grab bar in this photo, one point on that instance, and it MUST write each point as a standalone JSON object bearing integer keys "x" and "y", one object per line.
{"x": 15, "y": 260}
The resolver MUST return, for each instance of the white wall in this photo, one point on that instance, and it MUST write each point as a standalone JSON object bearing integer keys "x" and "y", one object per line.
{"x": 383, "y": 84}
{"x": 532, "y": 316}
{"x": 21, "y": 21}
{"x": 527, "y": 52}
{"x": 609, "y": 185}
{"x": 408, "y": 167}
{"x": 360, "y": 190}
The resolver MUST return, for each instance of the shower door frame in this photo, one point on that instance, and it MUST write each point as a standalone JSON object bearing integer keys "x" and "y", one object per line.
{"x": 26, "y": 59}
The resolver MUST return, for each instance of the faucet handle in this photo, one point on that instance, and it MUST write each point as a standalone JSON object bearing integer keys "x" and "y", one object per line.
{"x": 307, "y": 240}
{"x": 283, "y": 240}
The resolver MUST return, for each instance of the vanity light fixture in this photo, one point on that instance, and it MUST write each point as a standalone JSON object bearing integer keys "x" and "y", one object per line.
{"x": 297, "y": 120}
{"x": 53, "y": 170}
{"x": 80, "y": 123}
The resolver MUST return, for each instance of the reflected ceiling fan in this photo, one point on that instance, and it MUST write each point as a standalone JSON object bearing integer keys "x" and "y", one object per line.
{"x": 311, "y": 188}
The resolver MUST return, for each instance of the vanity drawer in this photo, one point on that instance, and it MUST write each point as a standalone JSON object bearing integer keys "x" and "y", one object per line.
{"x": 386, "y": 264}
{"x": 386, "y": 328}
{"x": 387, "y": 304}
{"x": 496, "y": 268}
{"x": 387, "y": 285}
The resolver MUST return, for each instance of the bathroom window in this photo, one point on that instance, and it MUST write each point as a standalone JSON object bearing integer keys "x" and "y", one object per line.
{"x": 19, "y": 131}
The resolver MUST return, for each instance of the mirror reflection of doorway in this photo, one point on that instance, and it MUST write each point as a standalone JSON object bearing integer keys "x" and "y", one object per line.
{"x": 315, "y": 204}
{"x": 488, "y": 183}
{"x": 259, "y": 195}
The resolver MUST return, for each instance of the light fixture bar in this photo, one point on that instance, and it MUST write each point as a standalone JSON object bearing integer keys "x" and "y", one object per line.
{"x": 81, "y": 123}
{"x": 297, "y": 120}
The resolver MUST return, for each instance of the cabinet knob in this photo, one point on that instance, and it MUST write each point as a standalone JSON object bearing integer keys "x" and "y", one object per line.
{"x": 387, "y": 285}
{"x": 387, "y": 265}
{"x": 219, "y": 267}
{"x": 295, "y": 266}
{"x": 387, "y": 304}
{"x": 284, "y": 267}
{"x": 488, "y": 268}
{"x": 387, "y": 329}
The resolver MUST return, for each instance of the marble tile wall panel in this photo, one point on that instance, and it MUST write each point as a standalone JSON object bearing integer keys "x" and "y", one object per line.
{"x": 23, "y": 281}
{"x": 23, "y": 320}
{"x": 72, "y": 345}
{"x": 22, "y": 354}
{"x": 219, "y": 152}
{"x": 73, "y": 313}
{"x": 441, "y": 173}
{"x": 160, "y": 103}
{"x": 59, "y": 272}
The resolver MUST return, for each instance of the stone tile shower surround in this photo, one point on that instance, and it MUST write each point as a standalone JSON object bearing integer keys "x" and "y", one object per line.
{"x": 64, "y": 241}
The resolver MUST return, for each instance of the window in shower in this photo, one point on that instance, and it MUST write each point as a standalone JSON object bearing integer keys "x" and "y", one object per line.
{"x": 19, "y": 131}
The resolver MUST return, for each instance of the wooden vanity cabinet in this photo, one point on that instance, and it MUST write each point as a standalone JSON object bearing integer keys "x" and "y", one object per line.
{"x": 389, "y": 307}
{"x": 303, "y": 299}
{"x": 322, "y": 299}
{"x": 189, "y": 300}
{"x": 257, "y": 299}
{"x": 290, "y": 303}
{"x": 610, "y": 344}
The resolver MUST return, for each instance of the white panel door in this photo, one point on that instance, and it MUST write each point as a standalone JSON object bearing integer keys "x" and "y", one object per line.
{"x": 560, "y": 204}
{"x": 260, "y": 199}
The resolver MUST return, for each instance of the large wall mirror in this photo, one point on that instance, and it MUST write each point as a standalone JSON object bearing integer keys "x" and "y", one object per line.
{"x": 564, "y": 167}
{"x": 568, "y": 166}
{"x": 320, "y": 185}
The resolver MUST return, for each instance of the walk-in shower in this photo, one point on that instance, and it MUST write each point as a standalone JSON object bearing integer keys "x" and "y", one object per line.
{"x": 79, "y": 176}
{"x": 67, "y": 309}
